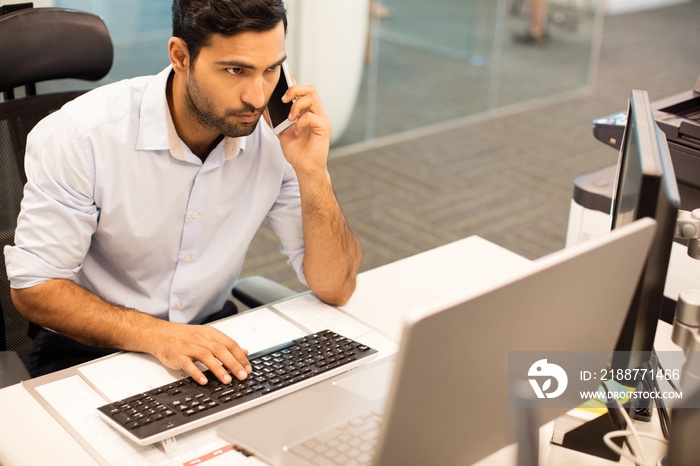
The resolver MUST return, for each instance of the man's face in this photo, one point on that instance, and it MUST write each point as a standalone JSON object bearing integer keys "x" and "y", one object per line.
{"x": 233, "y": 78}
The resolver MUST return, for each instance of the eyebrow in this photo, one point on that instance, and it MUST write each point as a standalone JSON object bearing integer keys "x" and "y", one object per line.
{"x": 247, "y": 66}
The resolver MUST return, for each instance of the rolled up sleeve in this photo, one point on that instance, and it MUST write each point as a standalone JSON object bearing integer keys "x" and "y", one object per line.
{"x": 58, "y": 213}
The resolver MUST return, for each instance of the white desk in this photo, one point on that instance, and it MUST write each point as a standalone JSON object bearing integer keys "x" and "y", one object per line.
{"x": 384, "y": 294}
{"x": 29, "y": 435}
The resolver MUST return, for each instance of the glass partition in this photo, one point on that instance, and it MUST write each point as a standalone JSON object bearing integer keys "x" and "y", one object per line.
{"x": 437, "y": 61}
{"x": 411, "y": 65}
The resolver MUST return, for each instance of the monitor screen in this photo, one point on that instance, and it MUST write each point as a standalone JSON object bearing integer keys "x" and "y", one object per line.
{"x": 645, "y": 186}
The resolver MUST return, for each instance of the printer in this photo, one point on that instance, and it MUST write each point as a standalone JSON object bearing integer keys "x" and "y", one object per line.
{"x": 678, "y": 117}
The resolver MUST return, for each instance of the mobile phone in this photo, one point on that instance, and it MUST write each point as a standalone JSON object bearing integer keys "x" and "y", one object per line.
{"x": 276, "y": 109}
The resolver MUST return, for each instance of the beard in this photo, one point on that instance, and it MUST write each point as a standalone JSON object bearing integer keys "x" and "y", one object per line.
{"x": 202, "y": 108}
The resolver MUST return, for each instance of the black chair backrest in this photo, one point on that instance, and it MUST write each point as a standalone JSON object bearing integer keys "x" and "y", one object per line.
{"x": 44, "y": 44}
{"x": 37, "y": 45}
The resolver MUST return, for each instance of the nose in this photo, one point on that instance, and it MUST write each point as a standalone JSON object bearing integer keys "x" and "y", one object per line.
{"x": 254, "y": 93}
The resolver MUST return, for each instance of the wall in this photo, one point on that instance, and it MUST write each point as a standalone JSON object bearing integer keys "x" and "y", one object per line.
{"x": 614, "y": 7}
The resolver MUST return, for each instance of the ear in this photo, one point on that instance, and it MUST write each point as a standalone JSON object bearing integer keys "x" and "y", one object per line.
{"x": 179, "y": 55}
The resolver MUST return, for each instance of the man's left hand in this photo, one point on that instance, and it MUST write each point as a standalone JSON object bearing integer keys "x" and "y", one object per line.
{"x": 306, "y": 143}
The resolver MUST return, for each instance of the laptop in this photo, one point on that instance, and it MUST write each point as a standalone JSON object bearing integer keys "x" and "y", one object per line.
{"x": 444, "y": 397}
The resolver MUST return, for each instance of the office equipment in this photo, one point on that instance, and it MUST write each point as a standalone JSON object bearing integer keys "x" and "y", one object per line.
{"x": 28, "y": 39}
{"x": 610, "y": 128}
{"x": 178, "y": 407}
{"x": 686, "y": 335}
{"x": 526, "y": 427}
{"x": 687, "y": 320}
{"x": 645, "y": 186}
{"x": 468, "y": 335}
{"x": 353, "y": 441}
{"x": 626, "y": 430}
{"x": 684, "y": 447}
{"x": 678, "y": 116}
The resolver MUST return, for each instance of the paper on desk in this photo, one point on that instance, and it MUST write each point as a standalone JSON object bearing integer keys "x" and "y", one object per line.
{"x": 260, "y": 329}
{"x": 127, "y": 374}
{"x": 76, "y": 402}
{"x": 314, "y": 315}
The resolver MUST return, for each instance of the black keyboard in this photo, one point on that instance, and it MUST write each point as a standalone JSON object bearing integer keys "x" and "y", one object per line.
{"x": 178, "y": 407}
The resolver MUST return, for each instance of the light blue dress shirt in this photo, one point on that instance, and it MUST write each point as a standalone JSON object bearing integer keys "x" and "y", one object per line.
{"x": 116, "y": 202}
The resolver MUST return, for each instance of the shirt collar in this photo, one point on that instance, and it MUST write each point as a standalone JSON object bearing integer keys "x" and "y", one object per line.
{"x": 156, "y": 127}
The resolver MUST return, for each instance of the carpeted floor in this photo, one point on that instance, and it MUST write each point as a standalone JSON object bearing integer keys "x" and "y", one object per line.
{"x": 505, "y": 177}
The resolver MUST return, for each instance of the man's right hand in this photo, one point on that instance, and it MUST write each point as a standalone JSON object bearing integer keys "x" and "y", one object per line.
{"x": 69, "y": 309}
{"x": 179, "y": 346}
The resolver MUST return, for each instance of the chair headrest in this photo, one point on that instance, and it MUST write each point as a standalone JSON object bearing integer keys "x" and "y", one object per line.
{"x": 42, "y": 44}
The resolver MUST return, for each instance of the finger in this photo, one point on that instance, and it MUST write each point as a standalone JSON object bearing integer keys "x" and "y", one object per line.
{"x": 306, "y": 104}
{"x": 305, "y": 101}
{"x": 220, "y": 352}
{"x": 315, "y": 123}
{"x": 187, "y": 365}
{"x": 234, "y": 359}
{"x": 214, "y": 365}
{"x": 296, "y": 91}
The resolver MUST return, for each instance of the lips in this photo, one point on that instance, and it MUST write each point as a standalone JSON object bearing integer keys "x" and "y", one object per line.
{"x": 247, "y": 117}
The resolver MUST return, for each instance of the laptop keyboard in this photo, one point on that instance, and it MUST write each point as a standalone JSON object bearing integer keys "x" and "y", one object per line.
{"x": 349, "y": 444}
{"x": 183, "y": 405}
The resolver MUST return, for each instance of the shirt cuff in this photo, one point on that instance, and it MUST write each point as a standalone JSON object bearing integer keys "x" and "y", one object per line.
{"x": 25, "y": 269}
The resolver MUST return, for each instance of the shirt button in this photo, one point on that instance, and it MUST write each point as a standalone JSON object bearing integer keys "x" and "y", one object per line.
{"x": 187, "y": 258}
{"x": 178, "y": 305}
{"x": 195, "y": 214}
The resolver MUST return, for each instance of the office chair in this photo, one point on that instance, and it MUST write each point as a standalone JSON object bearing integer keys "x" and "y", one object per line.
{"x": 36, "y": 45}
{"x": 255, "y": 291}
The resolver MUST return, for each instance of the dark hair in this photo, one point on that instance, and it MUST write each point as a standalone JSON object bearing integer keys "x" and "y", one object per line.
{"x": 195, "y": 21}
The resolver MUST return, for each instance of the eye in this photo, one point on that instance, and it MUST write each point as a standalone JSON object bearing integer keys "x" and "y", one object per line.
{"x": 273, "y": 69}
{"x": 234, "y": 71}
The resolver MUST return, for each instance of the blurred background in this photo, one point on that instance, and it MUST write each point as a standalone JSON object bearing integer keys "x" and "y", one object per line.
{"x": 446, "y": 122}
{"x": 388, "y": 67}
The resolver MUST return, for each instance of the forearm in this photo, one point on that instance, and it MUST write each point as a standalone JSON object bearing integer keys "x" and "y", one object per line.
{"x": 67, "y": 308}
{"x": 332, "y": 252}
{"x": 71, "y": 310}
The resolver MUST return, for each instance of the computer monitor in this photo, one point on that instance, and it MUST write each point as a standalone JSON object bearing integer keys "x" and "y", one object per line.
{"x": 645, "y": 186}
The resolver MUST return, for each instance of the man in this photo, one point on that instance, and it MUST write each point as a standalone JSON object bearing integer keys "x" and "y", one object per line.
{"x": 143, "y": 196}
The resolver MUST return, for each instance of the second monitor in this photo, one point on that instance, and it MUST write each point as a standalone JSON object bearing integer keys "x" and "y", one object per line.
{"x": 645, "y": 186}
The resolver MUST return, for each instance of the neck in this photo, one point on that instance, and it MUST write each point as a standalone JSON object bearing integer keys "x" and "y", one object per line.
{"x": 202, "y": 151}
{"x": 199, "y": 139}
